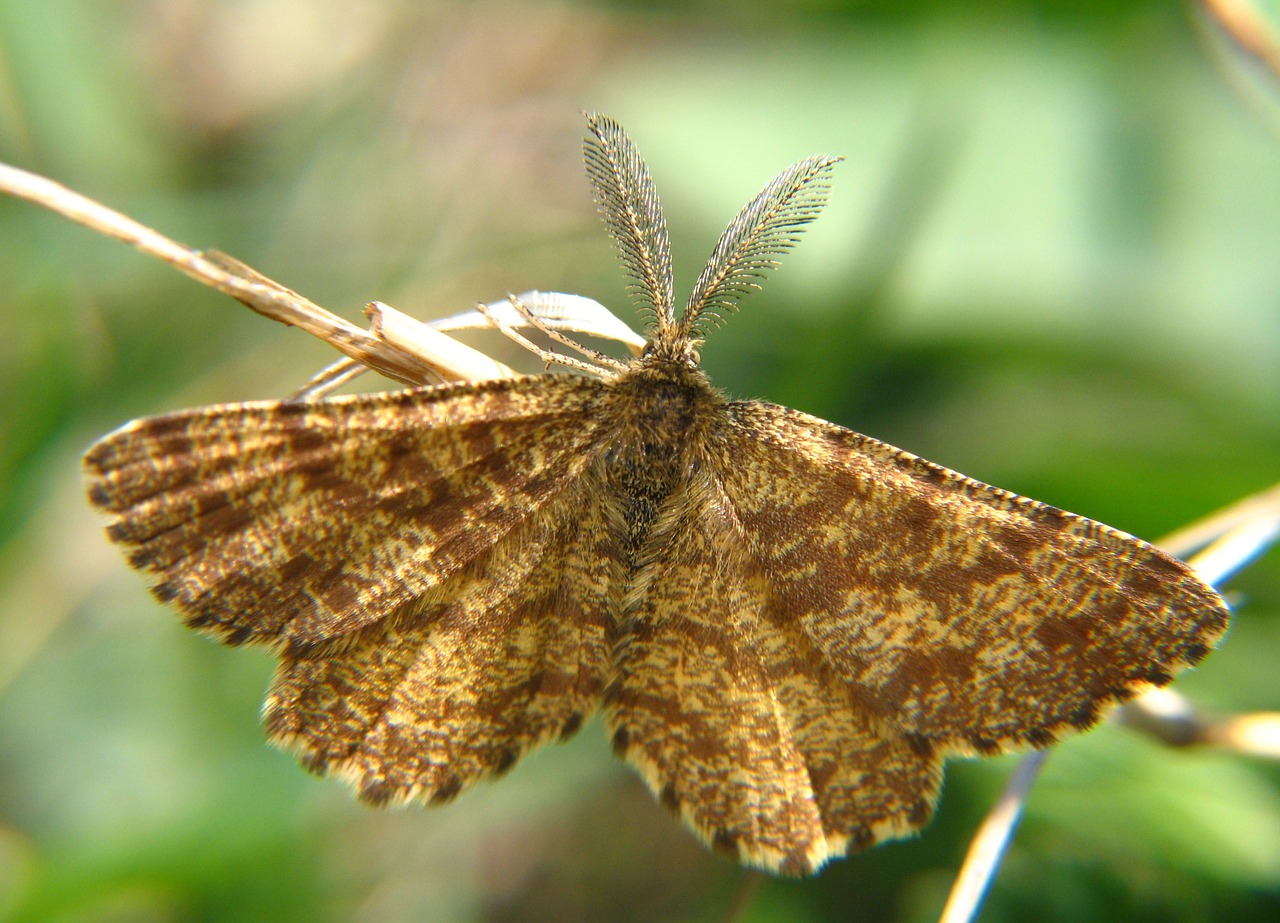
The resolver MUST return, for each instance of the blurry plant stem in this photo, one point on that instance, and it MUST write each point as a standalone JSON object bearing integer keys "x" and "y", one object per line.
{"x": 370, "y": 348}
{"x": 397, "y": 345}
{"x": 1228, "y": 541}
{"x": 1251, "y": 27}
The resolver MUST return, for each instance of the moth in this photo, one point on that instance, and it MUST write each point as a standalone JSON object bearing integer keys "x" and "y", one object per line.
{"x": 787, "y": 625}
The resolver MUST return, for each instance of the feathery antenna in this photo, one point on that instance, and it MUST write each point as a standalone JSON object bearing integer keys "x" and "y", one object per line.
{"x": 628, "y": 201}
{"x": 768, "y": 226}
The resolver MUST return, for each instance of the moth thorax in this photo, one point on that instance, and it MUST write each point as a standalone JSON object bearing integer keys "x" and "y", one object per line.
{"x": 661, "y": 412}
{"x": 663, "y": 401}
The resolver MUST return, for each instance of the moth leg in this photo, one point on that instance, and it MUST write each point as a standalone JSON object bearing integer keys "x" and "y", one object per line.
{"x": 538, "y": 323}
{"x": 550, "y": 357}
{"x": 329, "y": 379}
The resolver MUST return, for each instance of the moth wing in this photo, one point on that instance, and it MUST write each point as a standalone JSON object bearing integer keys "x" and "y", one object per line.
{"x": 509, "y": 652}
{"x": 733, "y": 719}
{"x": 286, "y": 522}
{"x": 968, "y": 617}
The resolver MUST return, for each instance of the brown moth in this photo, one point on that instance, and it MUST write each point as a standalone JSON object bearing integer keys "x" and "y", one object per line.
{"x": 786, "y": 624}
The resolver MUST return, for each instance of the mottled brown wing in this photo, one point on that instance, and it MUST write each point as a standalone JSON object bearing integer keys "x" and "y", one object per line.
{"x": 735, "y": 722}
{"x": 964, "y": 617}
{"x": 291, "y": 523}
{"x": 506, "y": 653}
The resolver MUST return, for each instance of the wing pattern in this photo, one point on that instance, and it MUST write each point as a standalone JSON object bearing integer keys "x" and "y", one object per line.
{"x": 294, "y": 522}
{"x": 976, "y": 618}
{"x": 828, "y": 617}
{"x": 736, "y": 722}
{"x": 508, "y": 653}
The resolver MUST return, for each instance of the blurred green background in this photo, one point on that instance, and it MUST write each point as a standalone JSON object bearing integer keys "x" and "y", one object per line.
{"x": 1050, "y": 261}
